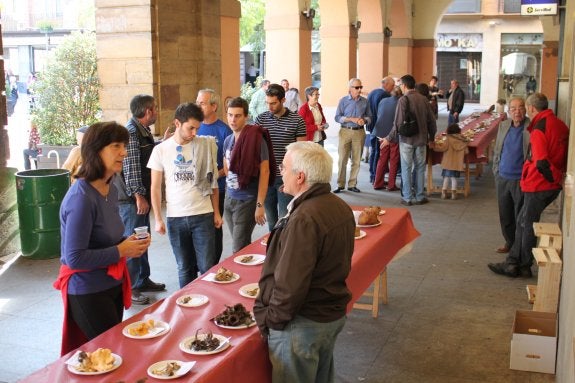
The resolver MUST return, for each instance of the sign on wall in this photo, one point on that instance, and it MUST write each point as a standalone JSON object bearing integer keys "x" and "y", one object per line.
{"x": 538, "y": 7}
{"x": 459, "y": 42}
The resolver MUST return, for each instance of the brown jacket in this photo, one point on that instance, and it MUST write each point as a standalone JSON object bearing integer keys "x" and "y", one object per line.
{"x": 454, "y": 148}
{"x": 308, "y": 260}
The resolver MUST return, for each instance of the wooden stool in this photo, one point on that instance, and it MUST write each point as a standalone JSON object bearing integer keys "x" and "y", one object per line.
{"x": 548, "y": 279}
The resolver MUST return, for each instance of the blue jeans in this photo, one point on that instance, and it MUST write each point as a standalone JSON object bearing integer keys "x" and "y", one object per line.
{"x": 303, "y": 351}
{"x": 412, "y": 160}
{"x": 451, "y": 119}
{"x": 192, "y": 239}
{"x": 373, "y": 157}
{"x": 139, "y": 268}
{"x": 276, "y": 203}
{"x": 239, "y": 216}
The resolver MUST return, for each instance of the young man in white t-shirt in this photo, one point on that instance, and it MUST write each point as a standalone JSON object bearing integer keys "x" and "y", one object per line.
{"x": 189, "y": 164}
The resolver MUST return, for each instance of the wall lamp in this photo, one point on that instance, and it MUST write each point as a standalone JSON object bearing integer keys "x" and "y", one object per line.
{"x": 356, "y": 24}
{"x": 387, "y": 32}
{"x": 308, "y": 13}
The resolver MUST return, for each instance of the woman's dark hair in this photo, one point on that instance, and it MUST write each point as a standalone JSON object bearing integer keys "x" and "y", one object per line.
{"x": 453, "y": 129}
{"x": 98, "y": 136}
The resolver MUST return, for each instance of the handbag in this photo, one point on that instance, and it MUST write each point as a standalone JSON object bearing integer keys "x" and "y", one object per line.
{"x": 318, "y": 136}
{"x": 408, "y": 128}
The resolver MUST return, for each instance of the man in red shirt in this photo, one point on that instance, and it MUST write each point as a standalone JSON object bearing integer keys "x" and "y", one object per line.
{"x": 541, "y": 182}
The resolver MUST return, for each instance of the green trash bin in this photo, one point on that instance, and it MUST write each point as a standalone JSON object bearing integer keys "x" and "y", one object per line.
{"x": 39, "y": 194}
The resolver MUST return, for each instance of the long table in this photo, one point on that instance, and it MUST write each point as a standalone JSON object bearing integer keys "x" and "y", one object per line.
{"x": 247, "y": 358}
{"x": 484, "y": 127}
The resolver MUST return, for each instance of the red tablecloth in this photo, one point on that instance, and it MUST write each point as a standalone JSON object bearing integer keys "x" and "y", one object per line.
{"x": 247, "y": 359}
{"x": 481, "y": 140}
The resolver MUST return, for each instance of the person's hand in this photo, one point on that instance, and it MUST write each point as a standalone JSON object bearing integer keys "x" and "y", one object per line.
{"x": 142, "y": 205}
{"x": 218, "y": 221}
{"x": 134, "y": 247}
{"x": 260, "y": 216}
{"x": 160, "y": 227}
{"x": 360, "y": 121}
{"x": 456, "y": 114}
{"x": 383, "y": 143}
{"x": 168, "y": 133}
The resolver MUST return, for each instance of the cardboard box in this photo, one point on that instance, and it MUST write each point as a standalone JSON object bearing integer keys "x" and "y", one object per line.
{"x": 534, "y": 342}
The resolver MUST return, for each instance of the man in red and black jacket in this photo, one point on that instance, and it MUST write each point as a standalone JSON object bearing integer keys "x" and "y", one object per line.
{"x": 541, "y": 181}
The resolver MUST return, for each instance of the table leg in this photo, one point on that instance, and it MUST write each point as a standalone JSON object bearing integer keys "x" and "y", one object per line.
{"x": 379, "y": 293}
{"x": 430, "y": 186}
{"x": 466, "y": 186}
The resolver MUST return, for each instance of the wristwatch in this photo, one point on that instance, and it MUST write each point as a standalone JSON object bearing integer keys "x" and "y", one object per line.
{"x": 259, "y": 204}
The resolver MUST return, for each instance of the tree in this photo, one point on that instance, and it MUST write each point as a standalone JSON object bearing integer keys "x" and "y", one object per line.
{"x": 67, "y": 90}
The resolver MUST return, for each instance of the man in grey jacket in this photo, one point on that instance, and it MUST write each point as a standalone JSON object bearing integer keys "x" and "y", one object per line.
{"x": 508, "y": 157}
{"x": 412, "y": 150}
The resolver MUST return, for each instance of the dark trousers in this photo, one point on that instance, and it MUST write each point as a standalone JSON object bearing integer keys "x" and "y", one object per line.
{"x": 98, "y": 312}
{"x": 219, "y": 233}
{"x": 373, "y": 157}
{"x": 525, "y": 240}
{"x": 510, "y": 201}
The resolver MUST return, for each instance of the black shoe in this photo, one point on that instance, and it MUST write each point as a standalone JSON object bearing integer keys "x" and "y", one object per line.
{"x": 422, "y": 202}
{"x": 354, "y": 189}
{"x": 139, "y": 299}
{"x": 150, "y": 285}
{"x": 338, "y": 190}
{"x": 503, "y": 268}
{"x": 405, "y": 203}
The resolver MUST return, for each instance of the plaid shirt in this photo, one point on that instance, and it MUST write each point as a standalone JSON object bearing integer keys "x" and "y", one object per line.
{"x": 132, "y": 168}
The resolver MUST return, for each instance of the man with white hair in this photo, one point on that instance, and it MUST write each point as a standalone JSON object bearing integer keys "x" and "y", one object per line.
{"x": 303, "y": 294}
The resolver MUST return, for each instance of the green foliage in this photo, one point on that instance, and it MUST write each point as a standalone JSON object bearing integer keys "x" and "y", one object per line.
{"x": 67, "y": 90}
{"x": 45, "y": 26}
{"x": 247, "y": 90}
{"x": 252, "y": 24}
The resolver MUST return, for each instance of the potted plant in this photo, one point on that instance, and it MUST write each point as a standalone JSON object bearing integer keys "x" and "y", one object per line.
{"x": 67, "y": 94}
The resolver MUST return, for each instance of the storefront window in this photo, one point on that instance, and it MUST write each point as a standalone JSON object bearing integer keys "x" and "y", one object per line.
{"x": 520, "y": 64}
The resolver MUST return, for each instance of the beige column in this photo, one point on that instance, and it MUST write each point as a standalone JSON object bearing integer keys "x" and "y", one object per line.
{"x": 338, "y": 50}
{"x": 424, "y": 59}
{"x": 372, "y": 44}
{"x": 230, "y": 13}
{"x": 288, "y": 43}
{"x": 168, "y": 49}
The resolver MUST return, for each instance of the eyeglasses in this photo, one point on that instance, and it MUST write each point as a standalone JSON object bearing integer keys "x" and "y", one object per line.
{"x": 357, "y": 87}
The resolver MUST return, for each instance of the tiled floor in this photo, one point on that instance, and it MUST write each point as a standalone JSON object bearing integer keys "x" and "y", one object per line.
{"x": 448, "y": 318}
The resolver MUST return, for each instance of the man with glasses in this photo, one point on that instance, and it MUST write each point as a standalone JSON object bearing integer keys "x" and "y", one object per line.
{"x": 413, "y": 149}
{"x": 134, "y": 190}
{"x": 209, "y": 101}
{"x": 284, "y": 127}
{"x": 352, "y": 113}
{"x": 190, "y": 166}
{"x": 508, "y": 157}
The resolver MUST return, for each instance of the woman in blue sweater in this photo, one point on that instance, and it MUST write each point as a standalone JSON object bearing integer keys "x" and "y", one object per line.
{"x": 93, "y": 276}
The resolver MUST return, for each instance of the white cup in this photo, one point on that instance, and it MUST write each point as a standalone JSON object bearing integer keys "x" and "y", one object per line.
{"x": 141, "y": 232}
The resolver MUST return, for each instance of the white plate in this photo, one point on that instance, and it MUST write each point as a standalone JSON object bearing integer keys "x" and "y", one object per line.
{"x": 361, "y": 234}
{"x": 245, "y": 288}
{"x": 212, "y": 278}
{"x": 238, "y": 327}
{"x": 185, "y": 345}
{"x": 72, "y": 368}
{"x": 185, "y": 367}
{"x": 160, "y": 328}
{"x": 257, "y": 259}
{"x": 196, "y": 300}
{"x": 374, "y": 225}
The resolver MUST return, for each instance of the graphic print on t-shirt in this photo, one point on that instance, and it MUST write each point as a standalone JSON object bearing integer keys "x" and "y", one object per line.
{"x": 184, "y": 171}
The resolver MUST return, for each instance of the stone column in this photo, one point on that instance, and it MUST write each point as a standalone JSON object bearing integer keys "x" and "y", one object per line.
{"x": 288, "y": 44}
{"x": 424, "y": 54}
{"x": 230, "y": 13}
{"x": 169, "y": 49}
